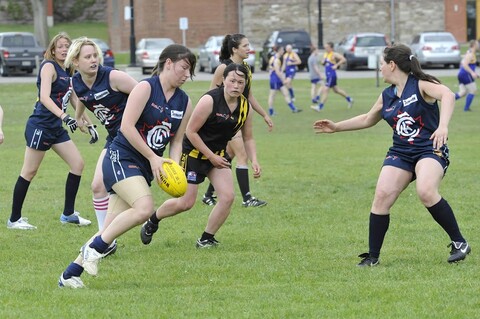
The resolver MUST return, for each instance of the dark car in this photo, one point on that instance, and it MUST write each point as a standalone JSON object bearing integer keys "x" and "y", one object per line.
{"x": 299, "y": 39}
{"x": 19, "y": 51}
{"x": 108, "y": 56}
{"x": 357, "y": 47}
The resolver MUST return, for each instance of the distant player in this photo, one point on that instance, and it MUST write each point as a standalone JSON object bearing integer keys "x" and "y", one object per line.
{"x": 466, "y": 76}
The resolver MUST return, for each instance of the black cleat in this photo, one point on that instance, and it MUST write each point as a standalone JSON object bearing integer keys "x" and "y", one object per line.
{"x": 207, "y": 243}
{"x": 147, "y": 231}
{"x": 209, "y": 200}
{"x": 367, "y": 261}
{"x": 459, "y": 251}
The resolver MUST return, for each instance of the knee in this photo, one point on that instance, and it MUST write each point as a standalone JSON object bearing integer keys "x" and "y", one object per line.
{"x": 427, "y": 195}
{"x": 77, "y": 167}
{"x": 98, "y": 187}
{"x": 227, "y": 198}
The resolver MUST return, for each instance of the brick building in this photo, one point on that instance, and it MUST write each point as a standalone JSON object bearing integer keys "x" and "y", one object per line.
{"x": 256, "y": 18}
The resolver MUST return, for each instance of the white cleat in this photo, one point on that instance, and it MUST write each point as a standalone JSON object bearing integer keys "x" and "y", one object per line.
{"x": 72, "y": 282}
{"x": 91, "y": 257}
{"x": 22, "y": 224}
{"x": 74, "y": 219}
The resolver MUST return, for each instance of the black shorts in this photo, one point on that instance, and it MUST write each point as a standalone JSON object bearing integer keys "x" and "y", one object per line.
{"x": 196, "y": 169}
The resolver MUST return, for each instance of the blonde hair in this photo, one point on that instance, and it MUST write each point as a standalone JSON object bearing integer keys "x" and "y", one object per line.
{"x": 50, "y": 52}
{"x": 74, "y": 51}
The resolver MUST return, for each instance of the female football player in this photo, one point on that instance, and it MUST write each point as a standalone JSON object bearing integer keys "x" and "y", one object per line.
{"x": 467, "y": 75}
{"x": 104, "y": 92}
{"x": 419, "y": 151}
{"x": 44, "y": 131}
{"x": 235, "y": 49}
{"x": 156, "y": 115}
{"x": 217, "y": 117}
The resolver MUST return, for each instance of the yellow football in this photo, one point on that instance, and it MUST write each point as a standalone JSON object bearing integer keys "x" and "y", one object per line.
{"x": 175, "y": 183}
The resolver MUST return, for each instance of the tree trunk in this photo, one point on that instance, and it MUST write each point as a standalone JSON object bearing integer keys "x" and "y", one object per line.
{"x": 39, "y": 8}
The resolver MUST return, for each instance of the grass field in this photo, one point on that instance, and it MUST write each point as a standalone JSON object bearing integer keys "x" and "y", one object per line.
{"x": 294, "y": 258}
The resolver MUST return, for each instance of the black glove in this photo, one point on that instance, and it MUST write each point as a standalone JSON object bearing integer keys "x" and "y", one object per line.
{"x": 93, "y": 133}
{"x": 71, "y": 123}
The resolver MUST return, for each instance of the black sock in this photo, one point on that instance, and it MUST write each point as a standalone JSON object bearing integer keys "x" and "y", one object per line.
{"x": 243, "y": 183}
{"x": 71, "y": 189}
{"x": 377, "y": 230}
{"x": 154, "y": 219}
{"x": 210, "y": 190}
{"x": 19, "y": 194}
{"x": 443, "y": 215}
{"x": 73, "y": 270}
{"x": 206, "y": 235}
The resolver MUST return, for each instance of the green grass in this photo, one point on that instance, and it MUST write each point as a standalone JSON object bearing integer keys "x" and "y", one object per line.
{"x": 294, "y": 258}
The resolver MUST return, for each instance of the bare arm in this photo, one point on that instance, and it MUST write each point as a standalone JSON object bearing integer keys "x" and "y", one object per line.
{"x": 217, "y": 80}
{"x": 175, "y": 151}
{"x": 122, "y": 82}
{"x": 465, "y": 61}
{"x": 48, "y": 75}
{"x": 431, "y": 92}
{"x": 355, "y": 123}
{"x": 340, "y": 59}
{"x": 250, "y": 147}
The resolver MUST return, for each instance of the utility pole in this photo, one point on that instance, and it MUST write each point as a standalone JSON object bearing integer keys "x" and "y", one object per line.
{"x": 132, "y": 36}
{"x": 320, "y": 25}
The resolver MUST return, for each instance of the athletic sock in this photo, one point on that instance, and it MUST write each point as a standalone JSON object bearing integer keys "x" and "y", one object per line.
{"x": 100, "y": 205}
{"x": 154, "y": 219}
{"x": 443, "y": 214}
{"x": 292, "y": 106}
{"x": 468, "y": 101}
{"x": 99, "y": 245}
{"x": 349, "y": 99}
{"x": 19, "y": 194}
{"x": 73, "y": 270}
{"x": 71, "y": 189}
{"x": 243, "y": 182}
{"x": 206, "y": 236}
{"x": 376, "y": 234}
{"x": 210, "y": 190}
{"x": 292, "y": 94}
{"x": 457, "y": 96}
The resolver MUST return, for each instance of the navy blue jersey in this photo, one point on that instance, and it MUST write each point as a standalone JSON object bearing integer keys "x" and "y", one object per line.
{"x": 157, "y": 125}
{"x": 105, "y": 103}
{"x": 221, "y": 125}
{"x": 413, "y": 119}
{"x": 60, "y": 94}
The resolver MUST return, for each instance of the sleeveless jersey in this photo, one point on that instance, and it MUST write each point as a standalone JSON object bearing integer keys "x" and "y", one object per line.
{"x": 105, "y": 103}
{"x": 60, "y": 94}
{"x": 464, "y": 77}
{"x": 274, "y": 78}
{"x": 221, "y": 125}
{"x": 158, "y": 122}
{"x": 413, "y": 119}
{"x": 248, "y": 83}
{"x": 329, "y": 62}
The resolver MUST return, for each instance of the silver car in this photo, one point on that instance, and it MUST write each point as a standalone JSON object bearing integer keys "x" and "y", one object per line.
{"x": 148, "y": 51}
{"x": 357, "y": 47}
{"x": 209, "y": 53}
{"x": 433, "y": 48}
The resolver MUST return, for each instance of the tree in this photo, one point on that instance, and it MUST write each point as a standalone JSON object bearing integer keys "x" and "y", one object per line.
{"x": 39, "y": 8}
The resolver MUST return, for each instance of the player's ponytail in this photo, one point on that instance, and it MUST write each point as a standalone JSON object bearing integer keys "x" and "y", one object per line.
{"x": 229, "y": 42}
{"x": 407, "y": 62}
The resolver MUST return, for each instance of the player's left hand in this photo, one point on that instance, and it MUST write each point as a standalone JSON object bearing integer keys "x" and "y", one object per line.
{"x": 439, "y": 137}
{"x": 93, "y": 133}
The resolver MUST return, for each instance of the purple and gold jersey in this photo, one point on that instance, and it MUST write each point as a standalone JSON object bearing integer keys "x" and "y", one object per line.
{"x": 464, "y": 77}
{"x": 60, "y": 94}
{"x": 106, "y": 104}
{"x": 412, "y": 119}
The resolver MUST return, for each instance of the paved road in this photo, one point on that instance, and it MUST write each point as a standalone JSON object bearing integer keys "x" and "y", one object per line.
{"x": 258, "y": 75}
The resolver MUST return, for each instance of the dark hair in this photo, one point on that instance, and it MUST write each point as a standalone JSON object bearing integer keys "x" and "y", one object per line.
{"x": 175, "y": 52}
{"x": 407, "y": 62}
{"x": 331, "y": 44}
{"x": 229, "y": 42}
{"x": 238, "y": 68}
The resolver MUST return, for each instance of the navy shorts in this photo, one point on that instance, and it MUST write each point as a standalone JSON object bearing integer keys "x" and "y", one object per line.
{"x": 42, "y": 139}
{"x": 119, "y": 164}
{"x": 408, "y": 162}
{"x": 331, "y": 81}
{"x": 290, "y": 71}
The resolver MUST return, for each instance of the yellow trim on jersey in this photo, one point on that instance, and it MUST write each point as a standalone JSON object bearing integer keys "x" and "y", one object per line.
{"x": 196, "y": 154}
{"x": 243, "y": 113}
{"x": 329, "y": 56}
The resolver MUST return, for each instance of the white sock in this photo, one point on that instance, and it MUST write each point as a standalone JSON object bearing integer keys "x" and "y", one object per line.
{"x": 100, "y": 205}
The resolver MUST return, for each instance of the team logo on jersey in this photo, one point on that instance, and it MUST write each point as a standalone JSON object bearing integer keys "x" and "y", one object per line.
{"x": 191, "y": 176}
{"x": 410, "y": 100}
{"x": 225, "y": 116}
{"x": 408, "y": 127}
{"x": 159, "y": 136}
{"x": 101, "y": 95}
{"x": 102, "y": 113}
{"x": 176, "y": 114}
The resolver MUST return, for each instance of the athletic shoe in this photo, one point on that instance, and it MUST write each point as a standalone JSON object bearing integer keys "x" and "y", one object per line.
{"x": 112, "y": 249}
{"x": 459, "y": 251}
{"x": 315, "y": 108}
{"x": 368, "y": 261}
{"x": 147, "y": 231}
{"x": 74, "y": 219}
{"x": 297, "y": 111}
{"x": 22, "y": 224}
{"x": 209, "y": 200}
{"x": 207, "y": 243}
{"x": 91, "y": 257}
{"x": 254, "y": 202}
{"x": 72, "y": 282}
{"x": 350, "y": 103}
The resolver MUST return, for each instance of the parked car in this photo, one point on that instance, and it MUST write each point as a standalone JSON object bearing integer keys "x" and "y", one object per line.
{"x": 209, "y": 54}
{"x": 436, "y": 48}
{"x": 19, "y": 51}
{"x": 356, "y": 48}
{"x": 108, "y": 56}
{"x": 299, "y": 39}
{"x": 148, "y": 50}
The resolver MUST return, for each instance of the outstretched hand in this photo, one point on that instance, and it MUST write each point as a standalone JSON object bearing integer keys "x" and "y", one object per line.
{"x": 324, "y": 126}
